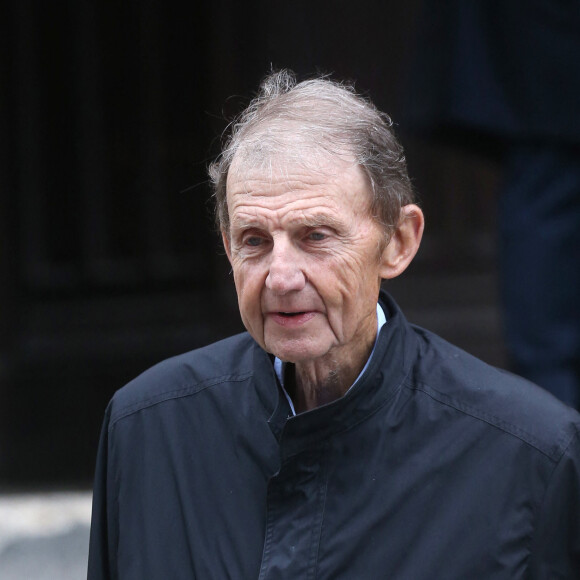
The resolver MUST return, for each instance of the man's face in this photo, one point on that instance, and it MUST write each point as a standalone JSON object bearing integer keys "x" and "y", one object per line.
{"x": 305, "y": 254}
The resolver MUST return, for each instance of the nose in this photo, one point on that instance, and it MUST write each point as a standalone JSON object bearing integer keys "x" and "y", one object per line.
{"x": 285, "y": 273}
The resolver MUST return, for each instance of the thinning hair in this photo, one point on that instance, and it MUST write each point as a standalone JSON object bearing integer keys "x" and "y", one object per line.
{"x": 326, "y": 116}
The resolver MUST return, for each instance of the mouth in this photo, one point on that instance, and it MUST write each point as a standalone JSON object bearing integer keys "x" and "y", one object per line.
{"x": 291, "y": 319}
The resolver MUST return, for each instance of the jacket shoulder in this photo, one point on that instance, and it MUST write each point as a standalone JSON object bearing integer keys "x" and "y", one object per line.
{"x": 493, "y": 396}
{"x": 227, "y": 360}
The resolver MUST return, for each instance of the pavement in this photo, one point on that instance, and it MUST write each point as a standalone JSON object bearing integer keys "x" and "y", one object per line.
{"x": 44, "y": 536}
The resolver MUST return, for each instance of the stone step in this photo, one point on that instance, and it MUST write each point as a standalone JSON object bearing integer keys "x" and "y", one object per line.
{"x": 44, "y": 536}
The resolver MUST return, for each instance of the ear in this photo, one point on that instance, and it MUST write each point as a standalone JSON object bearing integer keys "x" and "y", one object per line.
{"x": 226, "y": 241}
{"x": 404, "y": 242}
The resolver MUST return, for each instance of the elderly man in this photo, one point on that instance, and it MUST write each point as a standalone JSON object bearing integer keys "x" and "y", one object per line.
{"x": 333, "y": 439}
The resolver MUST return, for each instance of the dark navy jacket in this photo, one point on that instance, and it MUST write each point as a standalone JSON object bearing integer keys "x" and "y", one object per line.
{"x": 435, "y": 466}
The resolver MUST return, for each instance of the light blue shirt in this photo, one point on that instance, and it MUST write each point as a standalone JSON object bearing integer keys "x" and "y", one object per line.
{"x": 279, "y": 365}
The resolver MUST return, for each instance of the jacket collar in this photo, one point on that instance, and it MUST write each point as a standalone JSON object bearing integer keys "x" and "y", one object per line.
{"x": 394, "y": 353}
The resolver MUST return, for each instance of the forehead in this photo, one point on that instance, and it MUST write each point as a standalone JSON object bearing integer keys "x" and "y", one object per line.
{"x": 310, "y": 180}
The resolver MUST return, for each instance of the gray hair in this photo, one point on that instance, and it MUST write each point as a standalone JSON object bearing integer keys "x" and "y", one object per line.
{"x": 327, "y": 115}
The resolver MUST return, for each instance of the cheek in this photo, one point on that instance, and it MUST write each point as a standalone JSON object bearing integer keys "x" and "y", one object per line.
{"x": 352, "y": 293}
{"x": 248, "y": 287}
{"x": 352, "y": 276}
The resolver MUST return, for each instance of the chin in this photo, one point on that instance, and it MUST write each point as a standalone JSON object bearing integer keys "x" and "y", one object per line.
{"x": 296, "y": 352}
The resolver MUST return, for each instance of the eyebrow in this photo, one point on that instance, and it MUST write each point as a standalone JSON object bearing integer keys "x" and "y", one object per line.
{"x": 309, "y": 221}
{"x": 321, "y": 220}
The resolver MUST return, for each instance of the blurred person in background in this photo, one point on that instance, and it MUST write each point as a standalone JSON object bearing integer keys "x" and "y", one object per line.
{"x": 503, "y": 76}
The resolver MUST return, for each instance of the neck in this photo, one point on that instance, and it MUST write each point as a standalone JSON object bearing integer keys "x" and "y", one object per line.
{"x": 323, "y": 381}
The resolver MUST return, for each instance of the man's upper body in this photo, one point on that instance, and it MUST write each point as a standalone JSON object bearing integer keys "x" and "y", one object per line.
{"x": 434, "y": 466}
{"x": 407, "y": 458}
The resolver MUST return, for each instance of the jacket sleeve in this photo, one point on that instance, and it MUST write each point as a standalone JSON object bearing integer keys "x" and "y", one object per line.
{"x": 555, "y": 552}
{"x": 103, "y": 521}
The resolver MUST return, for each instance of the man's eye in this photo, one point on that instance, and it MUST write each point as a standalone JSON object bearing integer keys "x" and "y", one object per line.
{"x": 316, "y": 236}
{"x": 253, "y": 241}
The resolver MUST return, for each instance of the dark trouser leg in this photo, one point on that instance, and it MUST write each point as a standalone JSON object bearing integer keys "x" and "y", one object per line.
{"x": 540, "y": 265}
